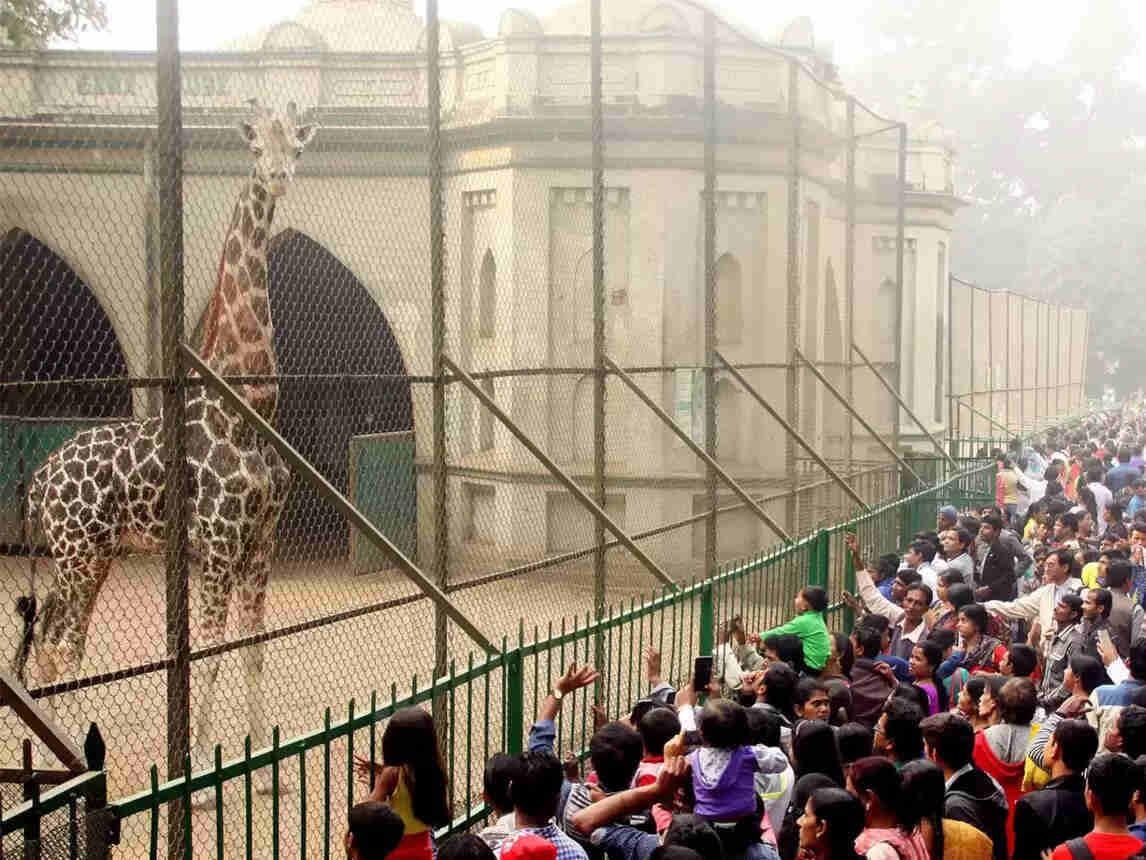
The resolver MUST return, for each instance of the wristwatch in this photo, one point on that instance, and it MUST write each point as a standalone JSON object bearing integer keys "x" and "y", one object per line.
{"x": 557, "y": 694}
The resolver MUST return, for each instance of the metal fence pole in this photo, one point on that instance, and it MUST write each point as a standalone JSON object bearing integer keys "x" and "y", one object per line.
{"x": 169, "y": 175}
{"x": 1058, "y": 362}
{"x": 974, "y": 358}
{"x": 598, "y": 320}
{"x": 1085, "y": 356}
{"x": 1007, "y": 347}
{"x": 438, "y": 330}
{"x": 710, "y": 428}
{"x": 900, "y": 241}
{"x": 992, "y": 383}
{"x": 850, "y": 265}
{"x": 1038, "y": 356}
{"x": 793, "y": 251}
{"x": 950, "y": 367}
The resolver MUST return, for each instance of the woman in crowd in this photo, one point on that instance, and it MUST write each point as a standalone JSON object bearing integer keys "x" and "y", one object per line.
{"x": 876, "y": 783}
{"x": 921, "y": 811}
{"x": 831, "y": 822}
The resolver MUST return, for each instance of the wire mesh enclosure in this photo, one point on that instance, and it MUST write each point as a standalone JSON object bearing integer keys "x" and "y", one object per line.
{"x": 568, "y": 314}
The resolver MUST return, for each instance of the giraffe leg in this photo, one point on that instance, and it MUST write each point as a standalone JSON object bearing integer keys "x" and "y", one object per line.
{"x": 214, "y": 598}
{"x": 62, "y": 639}
{"x": 251, "y": 604}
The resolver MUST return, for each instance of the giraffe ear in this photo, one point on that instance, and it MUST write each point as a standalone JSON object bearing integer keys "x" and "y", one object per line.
{"x": 305, "y": 133}
{"x": 247, "y": 132}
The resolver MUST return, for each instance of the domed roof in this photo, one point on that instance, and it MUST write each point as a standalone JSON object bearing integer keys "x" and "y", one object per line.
{"x": 360, "y": 26}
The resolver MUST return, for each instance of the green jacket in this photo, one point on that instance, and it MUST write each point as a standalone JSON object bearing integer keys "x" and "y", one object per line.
{"x": 812, "y": 630}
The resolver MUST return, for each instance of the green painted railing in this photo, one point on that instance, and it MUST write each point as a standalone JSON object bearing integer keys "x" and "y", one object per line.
{"x": 483, "y": 706}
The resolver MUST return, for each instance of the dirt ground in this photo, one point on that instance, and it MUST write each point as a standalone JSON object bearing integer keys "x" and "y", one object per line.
{"x": 304, "y": 673}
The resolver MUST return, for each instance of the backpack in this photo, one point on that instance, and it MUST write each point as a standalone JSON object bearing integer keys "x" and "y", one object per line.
{"x": 1079, "y": 850}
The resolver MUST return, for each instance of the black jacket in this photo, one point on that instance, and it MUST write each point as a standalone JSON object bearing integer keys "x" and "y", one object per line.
{"x": 998, "y": 572}
{"x": 1050, "y": 816}
{"x": 979, "y": 801}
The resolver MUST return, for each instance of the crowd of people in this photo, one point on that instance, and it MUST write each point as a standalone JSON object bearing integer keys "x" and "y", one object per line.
{"x": 989, "y": 702}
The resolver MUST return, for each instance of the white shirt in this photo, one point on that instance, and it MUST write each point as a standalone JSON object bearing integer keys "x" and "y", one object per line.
{"x": 1103, "y": 499}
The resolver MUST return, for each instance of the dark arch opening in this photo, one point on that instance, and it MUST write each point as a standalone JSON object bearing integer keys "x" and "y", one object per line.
{"x": 326, "y": 322}
{"x": 52, "y": 327}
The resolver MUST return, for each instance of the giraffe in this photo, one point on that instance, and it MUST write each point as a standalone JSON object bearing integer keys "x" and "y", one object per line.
{"x": 101, "y": 493}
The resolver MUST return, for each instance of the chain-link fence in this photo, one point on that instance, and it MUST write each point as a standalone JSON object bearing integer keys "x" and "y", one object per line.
{"x": 1015, "y": 363}
{"x": 655, "y": 262}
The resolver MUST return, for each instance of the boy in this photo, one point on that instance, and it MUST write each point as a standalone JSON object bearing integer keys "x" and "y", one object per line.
{"x": 499, "y": 773}
{"x": 1110, "y": 782}
{"x": 615, "y": 751}
{"x": 657, "y": 727}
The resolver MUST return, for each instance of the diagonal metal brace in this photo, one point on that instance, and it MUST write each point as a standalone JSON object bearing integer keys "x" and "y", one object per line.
{"x": 791, "y": 431}
{"x": 327, "y": 490}
{"x": 15, "y": 696}
{"x": 891, "y": 390}
{"x": 696, "y": 449}
{"x": 558, "y": 473}
{"x": 984, "y": 415}
{"x": 835, "y": 392}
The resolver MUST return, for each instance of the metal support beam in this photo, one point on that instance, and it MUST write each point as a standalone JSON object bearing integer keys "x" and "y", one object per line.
{"x": 900, "y": 250}
{"x": 177, "y": 603}
{"x": 863, "y": 422}
{"x": 710, "y": 426}
{"x": 906, "y": 408}
{"x": 850, "y": 263}
{"x": 558, "y": 473}
{"x": 791, "y": 431}
{"x": 982, "y": 415}
{"x": 711, "y": 463}
{"x": 312, "y": 476}
{"x": 599, "y": 429}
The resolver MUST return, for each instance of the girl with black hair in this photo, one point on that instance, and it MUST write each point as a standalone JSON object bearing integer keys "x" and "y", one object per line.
{"x": 876, "y": 783}
{"x": 924, "y": 663}
{"x": 814, "y": 751}
{"x": 811, "y": 603}
{"x": 412, "y": 780}
{"x": 921, "y": 811}
{"x": 788, "y": 840}
{"x": 831, "y": 820}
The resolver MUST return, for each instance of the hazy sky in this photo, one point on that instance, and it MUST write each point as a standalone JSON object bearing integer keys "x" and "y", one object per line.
{"x": 1037, "y": 34}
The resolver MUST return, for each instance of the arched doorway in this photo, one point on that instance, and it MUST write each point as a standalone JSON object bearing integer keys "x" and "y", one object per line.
{"x": 52, "y": 328}
{"x": 326, "y": 325}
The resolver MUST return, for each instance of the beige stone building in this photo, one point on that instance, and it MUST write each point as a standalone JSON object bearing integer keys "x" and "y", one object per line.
{"x": 77, "y": 196}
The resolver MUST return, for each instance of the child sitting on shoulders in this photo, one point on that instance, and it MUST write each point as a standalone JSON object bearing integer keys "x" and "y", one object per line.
{"x": 724, "y": 775}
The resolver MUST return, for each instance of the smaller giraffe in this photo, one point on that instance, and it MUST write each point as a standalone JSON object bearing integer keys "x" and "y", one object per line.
{"x": 102, "y": 493}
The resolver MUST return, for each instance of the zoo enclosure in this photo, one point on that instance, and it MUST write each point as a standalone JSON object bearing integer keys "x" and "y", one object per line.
{"x": 403, "y": 189}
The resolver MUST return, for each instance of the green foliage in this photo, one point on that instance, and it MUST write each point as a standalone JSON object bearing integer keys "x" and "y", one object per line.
{"x": 27, "y": 24}
{"x": 1050, "y": 156}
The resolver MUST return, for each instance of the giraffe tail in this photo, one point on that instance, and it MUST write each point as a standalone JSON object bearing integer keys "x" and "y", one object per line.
{"x": 26, "y": 604}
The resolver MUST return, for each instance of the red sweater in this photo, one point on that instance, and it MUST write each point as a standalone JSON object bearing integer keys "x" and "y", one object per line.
{"x": 1009, "y": 776}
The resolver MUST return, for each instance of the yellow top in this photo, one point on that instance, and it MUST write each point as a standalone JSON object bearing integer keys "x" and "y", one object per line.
{"x": 1090, "y": 574}
{"x": 402, "y": 802}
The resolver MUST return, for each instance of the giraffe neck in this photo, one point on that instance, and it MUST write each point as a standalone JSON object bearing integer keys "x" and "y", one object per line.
{"x": 238, "y": 336}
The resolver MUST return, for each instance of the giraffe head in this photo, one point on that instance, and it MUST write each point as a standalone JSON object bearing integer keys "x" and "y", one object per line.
{"x": 276, "y": 142}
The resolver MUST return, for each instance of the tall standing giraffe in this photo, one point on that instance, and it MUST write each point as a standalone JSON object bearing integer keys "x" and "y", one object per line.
{"x": 101, "y": 493}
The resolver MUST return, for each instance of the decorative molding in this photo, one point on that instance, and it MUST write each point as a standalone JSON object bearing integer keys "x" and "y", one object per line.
{"x": 749, "y": 201}
{"x": 584, "y": 196}
{"x": 887, "y": 244}
{"x": 485, "y": 199}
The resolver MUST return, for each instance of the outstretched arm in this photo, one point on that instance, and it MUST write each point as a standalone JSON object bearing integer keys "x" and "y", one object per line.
{"x": 623, "y": 803}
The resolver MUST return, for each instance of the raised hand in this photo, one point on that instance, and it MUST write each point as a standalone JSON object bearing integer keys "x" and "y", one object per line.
{"x": 576, "y": 678}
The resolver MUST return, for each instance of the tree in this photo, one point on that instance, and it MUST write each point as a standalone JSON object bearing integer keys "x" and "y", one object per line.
{"x": 1051, "y": 156}
{"x": 26, "y": 24}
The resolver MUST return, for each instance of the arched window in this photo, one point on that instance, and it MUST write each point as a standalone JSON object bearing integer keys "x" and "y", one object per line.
{"x": 487, "y": 296}
{"x": 729, "y": 287}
